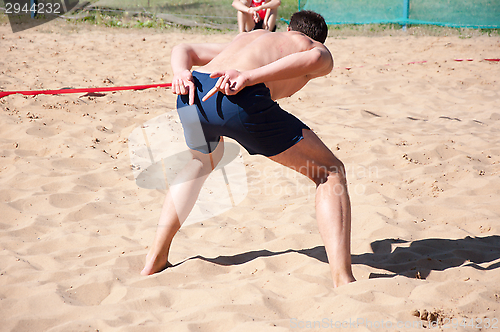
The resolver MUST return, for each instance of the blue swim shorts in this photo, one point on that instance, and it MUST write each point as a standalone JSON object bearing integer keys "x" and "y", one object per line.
{"x": 250, "y": 117}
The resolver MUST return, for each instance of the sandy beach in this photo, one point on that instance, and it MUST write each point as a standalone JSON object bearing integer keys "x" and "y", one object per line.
{"x": 416, "y": 121}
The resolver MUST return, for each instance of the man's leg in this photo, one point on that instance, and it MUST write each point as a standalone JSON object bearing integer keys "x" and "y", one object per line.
{"x": 178, "y": 204}
{"x": 333, "y": 211}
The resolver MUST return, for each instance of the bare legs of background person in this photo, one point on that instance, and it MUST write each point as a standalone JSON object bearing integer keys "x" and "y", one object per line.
{"x": 245, "y": 20}
{"x": 270, "y": 23}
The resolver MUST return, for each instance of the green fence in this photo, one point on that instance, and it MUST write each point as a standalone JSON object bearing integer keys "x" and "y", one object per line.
{"x": 452, "y": 13}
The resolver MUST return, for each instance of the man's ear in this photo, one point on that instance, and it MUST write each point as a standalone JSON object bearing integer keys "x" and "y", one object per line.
{"x": 288, "y": 28}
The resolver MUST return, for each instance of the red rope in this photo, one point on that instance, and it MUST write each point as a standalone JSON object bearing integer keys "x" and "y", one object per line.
{"x": 88, "y": 90}
{"x": 140, "y": 87}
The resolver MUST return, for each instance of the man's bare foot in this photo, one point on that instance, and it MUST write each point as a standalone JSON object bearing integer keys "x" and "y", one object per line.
{"x": 154, "y": 265}
{"x": 342, "y": 282}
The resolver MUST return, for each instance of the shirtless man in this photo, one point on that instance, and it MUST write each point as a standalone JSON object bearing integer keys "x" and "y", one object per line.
{"x": 233, "y": 94}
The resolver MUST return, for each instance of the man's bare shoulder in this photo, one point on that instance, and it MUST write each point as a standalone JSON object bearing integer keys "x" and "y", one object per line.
{"x": 266, "y": 39}
{"x": 250, "y": 35}
{"x": 305, "y": 41}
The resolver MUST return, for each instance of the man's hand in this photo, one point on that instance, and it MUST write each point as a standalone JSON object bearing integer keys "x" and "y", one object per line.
{"x": 183, "y": 84}
{"x": 230, "y": 82}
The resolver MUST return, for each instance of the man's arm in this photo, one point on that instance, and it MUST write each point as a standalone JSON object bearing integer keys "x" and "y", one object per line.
{"x": 184, "y": 57}
{"x": 312, "y": 63}
{"x": 309, "y": 64}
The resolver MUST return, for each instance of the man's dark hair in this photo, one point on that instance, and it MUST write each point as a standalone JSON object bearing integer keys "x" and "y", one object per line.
{"x": 309, "y": 23}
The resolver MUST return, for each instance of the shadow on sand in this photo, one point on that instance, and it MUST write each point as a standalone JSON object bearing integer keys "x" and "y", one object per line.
{"x": 411, "y": 259}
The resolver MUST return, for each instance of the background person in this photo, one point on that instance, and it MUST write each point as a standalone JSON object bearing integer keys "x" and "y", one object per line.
{"x": 256, "y": 14}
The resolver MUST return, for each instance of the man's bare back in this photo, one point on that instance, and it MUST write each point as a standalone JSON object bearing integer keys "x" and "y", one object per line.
{"x": 259, "y": 49}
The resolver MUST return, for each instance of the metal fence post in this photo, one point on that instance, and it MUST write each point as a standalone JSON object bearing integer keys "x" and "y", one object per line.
{"x": 32, "y": 12}
{"x": 406, "y": 13}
